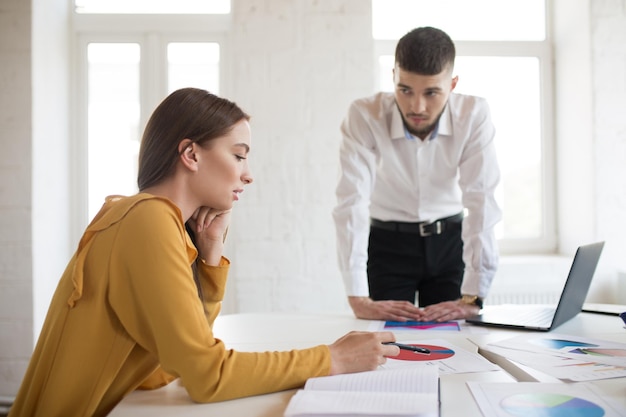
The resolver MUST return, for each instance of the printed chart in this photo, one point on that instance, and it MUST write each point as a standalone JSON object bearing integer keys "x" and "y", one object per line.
{"x": 524, "y": 399}
{"x": 422, "y": 325}
{"x": 610, "y": 353}
{"x": 450, "y": 359}
{"x": 550, "y": 405}
{"x": 572, "y": 347}
{"x": 559, "y": 343}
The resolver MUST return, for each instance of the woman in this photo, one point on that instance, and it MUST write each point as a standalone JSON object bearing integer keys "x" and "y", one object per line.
{"x": 139, "y": 293}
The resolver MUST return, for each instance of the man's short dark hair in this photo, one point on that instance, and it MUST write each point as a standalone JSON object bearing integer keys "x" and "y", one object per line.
{"x": 425, "y": 51}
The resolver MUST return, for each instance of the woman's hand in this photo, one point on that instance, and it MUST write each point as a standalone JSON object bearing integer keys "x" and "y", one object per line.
{"x": 210, "y": 226}
{"x": 361, "y": 351}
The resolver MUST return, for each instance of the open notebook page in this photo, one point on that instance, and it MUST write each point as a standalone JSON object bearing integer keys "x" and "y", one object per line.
{"x": 410, "y": 379}
{"x": 404, "y": 392}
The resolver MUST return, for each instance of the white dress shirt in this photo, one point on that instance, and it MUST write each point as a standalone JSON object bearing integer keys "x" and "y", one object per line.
{"x": 390, "y": 175}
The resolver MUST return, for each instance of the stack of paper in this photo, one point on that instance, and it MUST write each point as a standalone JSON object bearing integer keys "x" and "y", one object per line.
{"x": 565, "y": 357}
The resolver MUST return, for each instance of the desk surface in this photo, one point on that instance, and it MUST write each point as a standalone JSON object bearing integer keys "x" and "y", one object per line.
{"x": 274, "y": 331}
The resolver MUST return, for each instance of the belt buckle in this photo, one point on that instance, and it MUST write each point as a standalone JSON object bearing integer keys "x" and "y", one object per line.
{"x": 425, "y": 233}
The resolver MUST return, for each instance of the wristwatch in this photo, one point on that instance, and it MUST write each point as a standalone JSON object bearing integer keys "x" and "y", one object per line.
{"x": 472, "y": 299}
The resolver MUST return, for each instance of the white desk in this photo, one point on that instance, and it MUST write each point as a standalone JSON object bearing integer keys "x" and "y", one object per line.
{"x": 259, "y": 332}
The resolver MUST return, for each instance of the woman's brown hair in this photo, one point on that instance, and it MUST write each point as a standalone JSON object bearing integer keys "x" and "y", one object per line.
{"x": 188, "y": 113}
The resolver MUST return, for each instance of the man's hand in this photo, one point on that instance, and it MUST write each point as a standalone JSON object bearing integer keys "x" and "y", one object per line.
{"x": 366, "y": 308}
{"x": 449, "y": 310}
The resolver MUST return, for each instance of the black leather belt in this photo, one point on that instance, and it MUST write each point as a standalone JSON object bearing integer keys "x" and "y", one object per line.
{"x": 423, "y": 229}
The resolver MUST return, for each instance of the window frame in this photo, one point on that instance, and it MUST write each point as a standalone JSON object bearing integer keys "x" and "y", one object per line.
{"x": 543, "y": 51}
{"x": 153, "y": 33}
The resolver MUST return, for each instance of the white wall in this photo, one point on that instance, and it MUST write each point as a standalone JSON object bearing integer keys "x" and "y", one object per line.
{"x": 575, "y": 142}
{"x": 34, "y": 171}
{"x": 608, "y": 68}
{"x": 590, "y": 74}
{"x": 296, "y": 80}
{"x": 295, "y": 67}
{"x": 16, "y": 314}
{"x": 51, "y": 214}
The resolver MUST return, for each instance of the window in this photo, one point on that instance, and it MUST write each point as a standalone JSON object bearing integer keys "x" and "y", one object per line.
{"x": 506, "y": 60}
{"x": 153, "y": 6}
{"x": 479, "y": 20}
{"x": 193, "y": 64}
{"x": 127, "y": 63}
{"x": 112, "y": 95}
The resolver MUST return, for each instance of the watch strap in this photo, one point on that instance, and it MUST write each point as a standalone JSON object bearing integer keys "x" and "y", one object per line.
{"x": 472, "y": 299}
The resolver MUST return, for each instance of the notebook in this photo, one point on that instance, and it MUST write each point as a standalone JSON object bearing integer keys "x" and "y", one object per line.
{"x": 410, "y": 391}
{"x": 542, "y": 317}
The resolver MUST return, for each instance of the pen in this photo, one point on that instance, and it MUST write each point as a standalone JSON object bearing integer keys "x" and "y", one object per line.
{"x": 416, "y": 349}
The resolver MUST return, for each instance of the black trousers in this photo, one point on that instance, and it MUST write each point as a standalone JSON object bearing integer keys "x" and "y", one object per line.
{"x": 401, "y": 264}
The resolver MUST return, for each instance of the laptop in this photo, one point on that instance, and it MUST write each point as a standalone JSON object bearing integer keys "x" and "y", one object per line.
{"x": 541, "y": 317}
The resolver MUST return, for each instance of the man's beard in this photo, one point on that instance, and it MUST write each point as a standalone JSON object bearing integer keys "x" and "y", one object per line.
{"x": 426, "y": 129}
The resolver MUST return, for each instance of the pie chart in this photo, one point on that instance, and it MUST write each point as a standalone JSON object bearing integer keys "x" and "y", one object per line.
{"x": 436, "y": 353}
{"x": 560, "y": 343}
{"x": 549, "y": 405}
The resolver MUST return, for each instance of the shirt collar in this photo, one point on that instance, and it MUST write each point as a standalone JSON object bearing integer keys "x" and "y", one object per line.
{"x": 445, "y": 121}
{"x": 397, "y": 124}
{"x": 398, "y": 129}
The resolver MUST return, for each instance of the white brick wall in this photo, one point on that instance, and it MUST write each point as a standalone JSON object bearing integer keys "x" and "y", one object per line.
{"x": 16, "y": 338}
{"x": 608, "y": 45}
{"x": 295, "y": 67}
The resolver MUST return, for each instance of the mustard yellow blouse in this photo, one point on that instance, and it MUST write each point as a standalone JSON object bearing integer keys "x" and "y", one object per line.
{"x": 126, "y": 303}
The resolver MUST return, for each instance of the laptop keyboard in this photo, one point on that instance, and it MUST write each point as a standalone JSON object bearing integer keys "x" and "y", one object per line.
{"x": 541, "y": 316}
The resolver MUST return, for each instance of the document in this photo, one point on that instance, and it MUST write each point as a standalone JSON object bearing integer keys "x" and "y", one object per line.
{"x": 453, "y": 326}
{"x": 405, "y": 327}
{"x": 449, "y": 358}
{"x": 406, "y": 392}
{"x": 565, "y": 357}
{"x": 542, "y": 399}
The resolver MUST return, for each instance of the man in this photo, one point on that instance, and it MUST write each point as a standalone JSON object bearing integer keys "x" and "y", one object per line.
{"x": 412, "y": 163}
